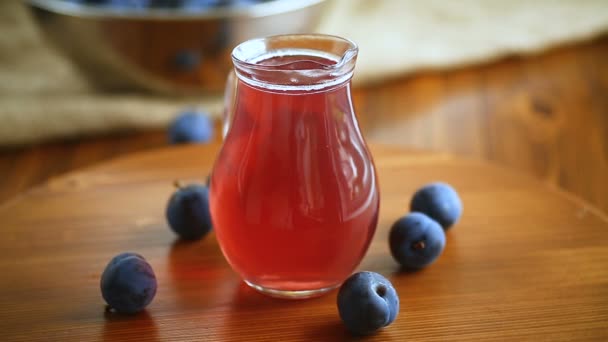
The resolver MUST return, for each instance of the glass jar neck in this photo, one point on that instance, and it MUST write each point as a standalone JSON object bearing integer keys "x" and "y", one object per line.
{"x": 299, "y": 62}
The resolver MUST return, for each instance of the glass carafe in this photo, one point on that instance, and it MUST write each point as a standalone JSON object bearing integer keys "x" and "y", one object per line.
{"x": 294, "y": 195}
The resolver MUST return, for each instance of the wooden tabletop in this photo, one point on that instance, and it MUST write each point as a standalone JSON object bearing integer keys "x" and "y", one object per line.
{"x": 525, "y": 262}
{"x": 546, "y": 115}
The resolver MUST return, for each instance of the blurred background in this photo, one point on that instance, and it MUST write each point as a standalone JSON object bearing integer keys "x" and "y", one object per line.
{"x": 520, "y": 83}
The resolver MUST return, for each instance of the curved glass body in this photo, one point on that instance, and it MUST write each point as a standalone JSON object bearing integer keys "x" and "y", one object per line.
{"x": 294, "y": 195}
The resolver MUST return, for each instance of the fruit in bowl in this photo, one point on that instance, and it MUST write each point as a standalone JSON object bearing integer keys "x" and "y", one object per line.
{"x": 165, "y": 46}
{"x": 196, "y": 5}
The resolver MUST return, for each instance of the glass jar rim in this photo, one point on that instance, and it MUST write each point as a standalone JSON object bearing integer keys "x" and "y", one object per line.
{"x": 253, "y": 46}
{"x": 342, "y": 52}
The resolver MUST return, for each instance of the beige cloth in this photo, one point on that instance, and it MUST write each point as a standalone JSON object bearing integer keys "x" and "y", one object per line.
{"x": 43, "y": 97}
{"x": 401, "y": 36}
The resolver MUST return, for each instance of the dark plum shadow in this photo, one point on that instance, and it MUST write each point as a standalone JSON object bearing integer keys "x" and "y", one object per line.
{"x": 140, "y": 326}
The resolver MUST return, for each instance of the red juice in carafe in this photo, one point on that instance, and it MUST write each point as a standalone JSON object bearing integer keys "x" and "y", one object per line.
{"x": 294, "y": 197}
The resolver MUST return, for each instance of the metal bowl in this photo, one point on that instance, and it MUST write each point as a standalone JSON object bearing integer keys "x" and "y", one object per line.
{"x": 164, "y": 50}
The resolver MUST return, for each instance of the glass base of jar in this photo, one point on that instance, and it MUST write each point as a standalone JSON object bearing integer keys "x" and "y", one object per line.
{"x": 288, "y": 294}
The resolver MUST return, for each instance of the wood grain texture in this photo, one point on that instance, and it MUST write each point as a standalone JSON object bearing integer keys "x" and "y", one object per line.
{"x": 525, "y": 262}
{"x": 546, "y": 115}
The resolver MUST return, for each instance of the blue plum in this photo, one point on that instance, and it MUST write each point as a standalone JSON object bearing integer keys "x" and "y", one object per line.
{"x": 191, "y": 127}
{"x": 440, "y": 202}
{"x": 367, "y": 301}
{"x": 188, "y": 211}
{"x": 165, "y": 3}
{"x": 416, "y": 241}
{"x": 199, "y": 5}
{"x": 187, "y": 60}
{"x": 128, "y": 4}
{"x": 128, "y": 283}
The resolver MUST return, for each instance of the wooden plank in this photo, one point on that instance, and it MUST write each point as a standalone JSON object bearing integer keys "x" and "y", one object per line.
{"x": 526, "y": 262}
